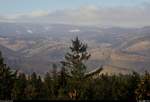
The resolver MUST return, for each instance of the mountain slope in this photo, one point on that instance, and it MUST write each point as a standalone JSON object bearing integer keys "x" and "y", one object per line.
{"x": 35, "y": 47}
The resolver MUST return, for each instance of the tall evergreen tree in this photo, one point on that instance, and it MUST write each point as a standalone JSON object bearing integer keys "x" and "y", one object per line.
{"x": 143, "y": 90}
{"x": 7, "y": 78}
{"x": 74, "y": 64}
{"x": 133, "y": 81}
{"x": 55, "y": 84}
{"x": 48, "y": 85}
{"x": 31, "y": 89}
{"x": 36, "y": 89}
{"x": 63, "y": 85}
{"x": 74, "y": 60}
{"x": 18, "y": 91}
{"x": 41, "y": 89}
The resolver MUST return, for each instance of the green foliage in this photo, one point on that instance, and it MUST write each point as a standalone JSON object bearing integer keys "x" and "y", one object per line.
{"x": 143, "y": 90}
{"x": 35, "y": 88}
{"x": 7, "y": 78}
{"x": 48, "y": 86}
{"x": 19, "y": 87}
{"x": 74, "y": 60}
{"x": 74, "y": 66}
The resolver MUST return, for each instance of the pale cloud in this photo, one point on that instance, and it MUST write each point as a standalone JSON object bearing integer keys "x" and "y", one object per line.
{"x": 27, "y": 15}
{"x": 39, "y": 14}
{"x": 89, "y": 15}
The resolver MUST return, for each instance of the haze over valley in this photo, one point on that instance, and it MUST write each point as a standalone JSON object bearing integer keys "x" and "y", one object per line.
{"x": 31, "y": 47}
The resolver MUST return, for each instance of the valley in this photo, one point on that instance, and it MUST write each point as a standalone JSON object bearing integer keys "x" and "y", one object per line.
{"x": 35, "y": 47}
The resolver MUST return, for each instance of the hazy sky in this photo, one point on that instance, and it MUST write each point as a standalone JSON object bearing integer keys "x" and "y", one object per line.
{"x": 128, "y": 13}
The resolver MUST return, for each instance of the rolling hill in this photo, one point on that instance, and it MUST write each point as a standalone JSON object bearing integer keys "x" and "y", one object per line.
{"x": 35, "y": 47}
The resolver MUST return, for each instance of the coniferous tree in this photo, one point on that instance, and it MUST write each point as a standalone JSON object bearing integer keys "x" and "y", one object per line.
{"x": 31, "y": 89}
{"x": 37, "y": 87}
{"x": 143, "y": 90}
{"x": 133, "y": 81}
{"x": 63, "y": 85}
{"x": 74, "y": 64}
{"x": 48, "y": 85}
{"x": 18, "y": 91}
{"x": 74, "y": 60}
{"x": 7, "y": 78}
{"x": 55, "y": 84}
{"x": 40, "y": 89}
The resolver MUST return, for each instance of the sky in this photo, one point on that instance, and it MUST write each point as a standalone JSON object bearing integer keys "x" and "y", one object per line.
{"x": 127, "y": 13}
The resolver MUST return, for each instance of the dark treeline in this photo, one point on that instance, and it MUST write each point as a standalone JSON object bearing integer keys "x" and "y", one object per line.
{"x": 71, "y": 83}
